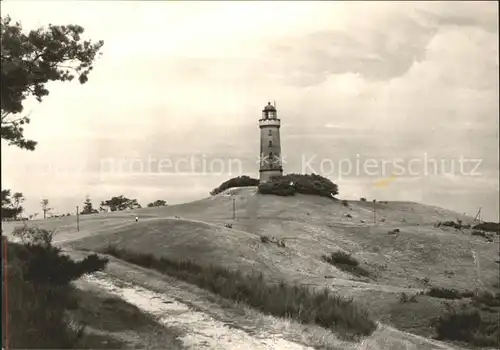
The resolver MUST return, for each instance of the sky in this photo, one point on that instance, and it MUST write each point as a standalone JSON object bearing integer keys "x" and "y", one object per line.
{"x": 408, "y": 87}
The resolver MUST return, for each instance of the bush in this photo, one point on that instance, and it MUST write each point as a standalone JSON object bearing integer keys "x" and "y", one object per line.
{"x": 290, "y": 184}
{"x": 488, "y": 226}
{"x": 405, "y": 298}
{"x": 34, "y": 235}
{"x": 467, "y": 294}
{"x": 467, "y": 326}
{"x": 362, "y": 199}
{"x": 486, "y": 298}
{"x": 281, "y": 300}
{"x": 278, "y": 188}
{"x": 345, "y": 203}
{"x": 456, "y": 225}
{"x": 479, "y": 233}
{"x": 46, "y": 265}
{"x": 264, "y": 239}
{"x": 444, "y": 293}
{"x": 341, "y": 257}
{"x": 36, "y": 316}
{"x": 40, "y": 292}
{"x": 240, "y": 181}
{"x": 345, "y": 262}
{"x": 483, "y": 234}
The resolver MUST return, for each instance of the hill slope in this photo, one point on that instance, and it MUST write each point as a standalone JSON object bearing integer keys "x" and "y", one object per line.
{"x": 310, "y": 227}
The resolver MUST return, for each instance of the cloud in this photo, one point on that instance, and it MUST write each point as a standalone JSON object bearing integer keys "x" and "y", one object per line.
{"x": 376, "y": 54}
{"x": 481, "y": 14}
{"x": 396, "y": 79}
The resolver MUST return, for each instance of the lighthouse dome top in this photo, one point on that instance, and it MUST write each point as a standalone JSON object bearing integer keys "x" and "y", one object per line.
{"x": 269, "y": 107}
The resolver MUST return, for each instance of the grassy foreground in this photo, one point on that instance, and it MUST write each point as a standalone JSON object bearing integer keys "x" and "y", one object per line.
{"x": 343, "y": 316}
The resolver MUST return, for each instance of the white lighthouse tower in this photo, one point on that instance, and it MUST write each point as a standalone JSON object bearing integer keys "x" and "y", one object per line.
{"x": 270, "y": 145}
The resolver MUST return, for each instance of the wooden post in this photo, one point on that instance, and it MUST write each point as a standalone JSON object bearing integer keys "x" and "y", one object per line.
{"x": 77, "y": 219}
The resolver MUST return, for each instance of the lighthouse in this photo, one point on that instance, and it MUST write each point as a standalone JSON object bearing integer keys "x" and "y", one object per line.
{"x": 270, "y": 145}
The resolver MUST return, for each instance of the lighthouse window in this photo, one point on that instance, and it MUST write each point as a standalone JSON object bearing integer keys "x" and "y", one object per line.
{"x": 270, "y": 133}
{"x": 270, "y": 143}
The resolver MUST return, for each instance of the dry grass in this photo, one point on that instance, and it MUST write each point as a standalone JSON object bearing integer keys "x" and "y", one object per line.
{"x": 296, "y": 302}
{"x": 312, "y": 227}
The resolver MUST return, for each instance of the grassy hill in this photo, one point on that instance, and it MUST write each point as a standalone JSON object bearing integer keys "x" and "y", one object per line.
{"x": 418, "y": 257}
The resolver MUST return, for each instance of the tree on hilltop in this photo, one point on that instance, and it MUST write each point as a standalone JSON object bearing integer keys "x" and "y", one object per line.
{"x": 88, "y": 208}
{"x": 29, "y": 61}
{"x": 120, "y": 203}
{"x": 158, "y": 203}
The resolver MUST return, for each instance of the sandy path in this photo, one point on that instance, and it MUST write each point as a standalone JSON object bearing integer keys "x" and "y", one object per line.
{"x": 201, "y": 331}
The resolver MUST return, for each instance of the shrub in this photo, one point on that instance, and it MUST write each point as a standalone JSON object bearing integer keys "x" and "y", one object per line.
{"x": 467, "y": 294}
{"x": 345, "y": 203}
{"x": 487, "y": 298}
{"x": 278, "y": 188}
{"x": 405, "y": 298}
{"x": 488, "y": 226}
{"x": 240, "y": 181}
{"x": 483, "y": 234}
{"x": 362, "y": 199}
{"x": 40, "y": 292}
{"x": 467, "y": 326}
{"x": 479, "y": 233}
{"x": 341, "y": 257}
{"x": 281, "y": 300}
{"x": 290, "y": 184}
{"x": 456, "y": 225}
{"x": 345, "y": 262}
{"x": 36, "y": 315}
{"x": 264, "y": 239}
{"x": 46, "y": 265}
{"x": 34, "y": 235}
{"x": 444, "y": 293}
